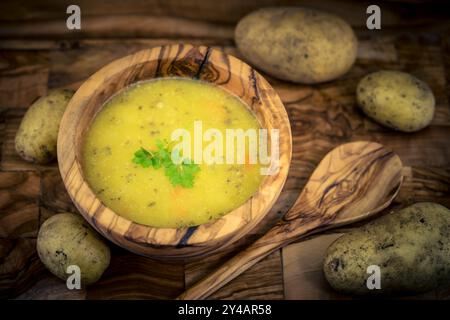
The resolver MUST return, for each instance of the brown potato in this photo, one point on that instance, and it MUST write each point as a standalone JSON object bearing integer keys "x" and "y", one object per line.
{"x": 297, "y": 44}
{"x": 66, "y": 239}
{"x": 411, "y": 248}
{"x": 396, "y": 100}
{"x": 38, "y": 132}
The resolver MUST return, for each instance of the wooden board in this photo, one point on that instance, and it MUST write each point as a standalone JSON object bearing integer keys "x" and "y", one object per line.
{"x": 304, "y": 278}
{"x": 322, "y": 116}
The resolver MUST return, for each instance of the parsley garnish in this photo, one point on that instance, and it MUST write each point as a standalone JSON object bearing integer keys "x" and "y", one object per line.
{"x": 182, "y": 174}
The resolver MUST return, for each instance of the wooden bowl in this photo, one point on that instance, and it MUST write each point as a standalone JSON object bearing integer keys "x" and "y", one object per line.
{"x": 180, "y": 60}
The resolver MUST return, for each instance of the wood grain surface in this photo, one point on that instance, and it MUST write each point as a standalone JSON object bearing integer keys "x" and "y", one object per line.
{"x": 415, "y": 40}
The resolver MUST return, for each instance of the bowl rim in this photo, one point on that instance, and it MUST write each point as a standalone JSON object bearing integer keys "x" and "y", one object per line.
{"x": 114, "y": 226}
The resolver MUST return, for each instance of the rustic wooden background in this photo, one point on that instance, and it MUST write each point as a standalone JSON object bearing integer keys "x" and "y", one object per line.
{"x": 38, "y": 53}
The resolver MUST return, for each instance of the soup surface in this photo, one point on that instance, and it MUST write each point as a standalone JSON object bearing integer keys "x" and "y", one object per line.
{"x": 147, "y": 113}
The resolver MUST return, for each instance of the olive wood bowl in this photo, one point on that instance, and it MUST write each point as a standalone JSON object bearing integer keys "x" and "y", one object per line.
{"x": 181, "y": 60}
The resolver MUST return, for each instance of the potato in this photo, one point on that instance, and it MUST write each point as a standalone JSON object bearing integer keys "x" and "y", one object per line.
{"x": 396, "y": 99}
{"x": 38, "y": 131}
{"x": 411, "y": 248}
{"x": 297, "y": 44}
{"x": 66, "y": 239}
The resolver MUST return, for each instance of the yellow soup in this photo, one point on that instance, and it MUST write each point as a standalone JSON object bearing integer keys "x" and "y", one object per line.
{"x": 146, "y": 113}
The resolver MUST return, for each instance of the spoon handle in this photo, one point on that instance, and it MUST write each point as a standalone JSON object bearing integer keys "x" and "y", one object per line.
{"x": 274, "y": 239}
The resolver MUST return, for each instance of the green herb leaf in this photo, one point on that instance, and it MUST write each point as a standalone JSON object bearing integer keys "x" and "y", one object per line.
{"x": 182, "y": 174}
{"x": 143, "y": 157}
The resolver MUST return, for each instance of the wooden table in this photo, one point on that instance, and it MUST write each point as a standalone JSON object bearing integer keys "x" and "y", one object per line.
{"x": 322, "y": 117}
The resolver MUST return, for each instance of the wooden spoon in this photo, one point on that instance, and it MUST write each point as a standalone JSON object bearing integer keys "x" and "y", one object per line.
{"x": 353, "y": 182}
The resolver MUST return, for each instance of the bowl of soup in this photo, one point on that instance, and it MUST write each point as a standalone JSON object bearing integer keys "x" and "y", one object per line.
{"x": 176, "y": 151}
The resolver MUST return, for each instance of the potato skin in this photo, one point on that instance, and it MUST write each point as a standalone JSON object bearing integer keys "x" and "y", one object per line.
{"x": 297, "y": 44}
{"x": 66, "y": 239}
{"x": 397, "y": 100}
{"x": 36, "y": 138}
{"x": 411, "y": 247}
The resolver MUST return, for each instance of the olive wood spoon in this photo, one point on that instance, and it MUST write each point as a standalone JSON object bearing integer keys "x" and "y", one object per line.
{"x": 353, "y": 182}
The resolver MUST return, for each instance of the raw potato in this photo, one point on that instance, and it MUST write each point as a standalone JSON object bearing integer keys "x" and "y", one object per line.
{"x": 411, "y": 247}
{"x": 397, "y": 100}
{"x": 297, "y": 44}
{"x": 38, "y": 131}
{"x": 66, "y": 239}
